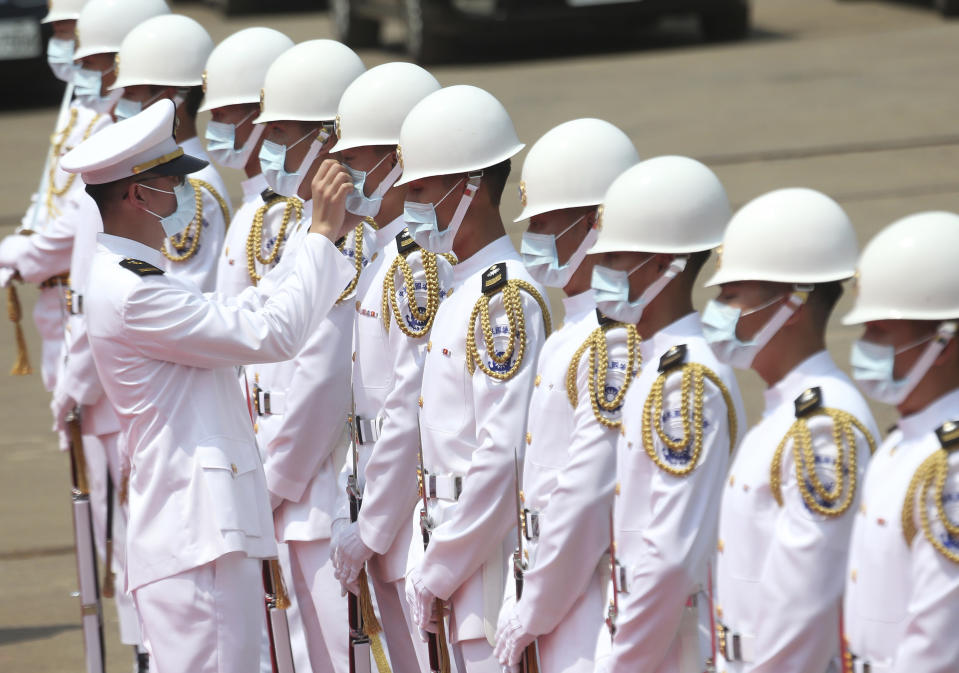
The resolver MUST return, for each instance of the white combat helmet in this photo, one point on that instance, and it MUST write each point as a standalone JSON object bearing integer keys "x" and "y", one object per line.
{"x": 573, "y": 165}
{"x": 166, "y": 50}
{"x": 103, "y": 24}
{"x": 236, "y": 68}
{"x": 305, "y": 83}
{"x": 909, "y": 271}
{"x": 374, "y": 106}
{"x": 667, "y": 204}
{"x": 63, "y": 10}
{"x": 457, "y": 129}
{"x": 793, "y": 235}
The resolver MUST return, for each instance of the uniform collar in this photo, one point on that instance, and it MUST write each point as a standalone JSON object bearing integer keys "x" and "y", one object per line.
{"x": 786, "y": 390}
{"x": 676, "y": 332}
{"x": 579, "y": 305}
{"x": 194, "y": 147}
{"x": 946, "y": 408}
{"x": 389, "y": 232}
{"x": 126, "y": 247}
{"x": 497, "y": 251}
{"x": 253, "y": 186}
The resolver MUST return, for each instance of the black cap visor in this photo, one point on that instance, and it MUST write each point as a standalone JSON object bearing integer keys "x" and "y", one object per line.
{"x": 182, "y": 165}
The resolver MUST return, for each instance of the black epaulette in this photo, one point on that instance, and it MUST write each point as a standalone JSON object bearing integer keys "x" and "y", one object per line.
{"x": 808, "y": 402}
{"x": 674, "y": 357}
{"x": 603, "y": 319}
{"x": 141, "y": 268}
{"x": 405, "y": 243}
{"x": 494, "y": 278}
{"x": 948, "y": 434}
{"x": 268, "y": 195}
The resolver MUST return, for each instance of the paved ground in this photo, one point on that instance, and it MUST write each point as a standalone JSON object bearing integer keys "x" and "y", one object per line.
{"x": 855, "y": 98}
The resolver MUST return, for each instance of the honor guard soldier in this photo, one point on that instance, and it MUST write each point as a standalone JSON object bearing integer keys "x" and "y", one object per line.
{"x": 902, "y": 585}
{"x": 199, "y": 514}
{"x": 232, "y": 82}
{"x": 164, "y": 57}
{"x": 573, "y": 423}
{"x": 455, "y": 146}
{"x": 397, "y": 298}
{"x": 791, "y": 493}
{"x": 680, "y": 418}
{"x": 301, "y": 403}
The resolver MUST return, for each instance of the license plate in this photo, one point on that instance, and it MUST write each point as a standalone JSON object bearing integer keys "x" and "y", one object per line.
{"x": 20, "y": 38}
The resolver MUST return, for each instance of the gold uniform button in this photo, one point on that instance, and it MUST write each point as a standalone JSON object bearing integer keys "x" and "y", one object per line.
{"x": 420, "y": 402}
{"x": 429, "y": 346}
{"x": 853, "y": 575}
{"x": 862, "y": 508}
{"x": 357, "y": 305}
{"x": 720, "y": 546}
{"x": 732, "y": 480}
{"x": 256, "y": 427}
{"x": 618, "y": 488}
{"x": 354, "y": 356}
{"x": 375, "y": 255}
{"x": 539, "y": 379}
{"x": 719, "y": 612}
{"x": 233, "y": 468}
{"x": 529, "y": 438}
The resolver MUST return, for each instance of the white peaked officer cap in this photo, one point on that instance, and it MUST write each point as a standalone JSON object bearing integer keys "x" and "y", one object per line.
{"x": 143, "y": 143}
{"x": 103, "y": 24}
{"x": 237, "y": 66}
{"x": 63, "y": 10}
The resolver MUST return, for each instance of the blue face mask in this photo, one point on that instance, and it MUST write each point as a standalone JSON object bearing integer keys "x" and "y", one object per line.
{"x": 719, "y": 323}
{"x": 357, "y": 202}
{"x": 60, "y": 58}
{"x": 422, "y": 223}
{"x": 185, "y": 211}
{"x": 273, "y": 163}
{"x": 221, "y": 142}
{"x": 872, "y": 365}
{"x": 542, "y": 260}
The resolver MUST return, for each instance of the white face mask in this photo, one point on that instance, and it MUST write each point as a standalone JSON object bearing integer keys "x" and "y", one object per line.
{"x": 185, "y": 210}
{"x": 87, "y": 85}
{"x": 611, "y": 287}
{"x": 872, "y": 365}
{"x": 127, "y": 108}
{"x": 422, "y": 223}
{"x": 273, "y": 163}
{"x": 542, "y": 260}
{"x": 60, "y": 58}
{"x": 221, "y": 142}
{"x": 357, "y": 202}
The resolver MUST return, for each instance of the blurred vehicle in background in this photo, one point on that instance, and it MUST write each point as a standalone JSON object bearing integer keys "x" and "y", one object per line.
{"x": 23, "y": 47}
{"x": 433, "y": 27}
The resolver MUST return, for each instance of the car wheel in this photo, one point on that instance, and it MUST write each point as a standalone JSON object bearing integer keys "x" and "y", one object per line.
{"x": 423, "y": 44}
{"x": 731, "y": 23}
{"x": 948, "y": 7}
{"x": 352, "y": 29}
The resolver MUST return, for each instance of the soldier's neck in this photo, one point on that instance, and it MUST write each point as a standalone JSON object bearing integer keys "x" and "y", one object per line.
{"x": 937, "y": 382}
{"x": 478, "y": 230}
{"x": 145, "y": 230}
{"x": 674, "y": 302}
{"x": 789, "y": 348}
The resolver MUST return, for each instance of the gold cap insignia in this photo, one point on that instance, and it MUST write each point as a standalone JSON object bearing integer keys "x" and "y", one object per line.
{"x": 116, "y": 66}
{"x": 399, "y": 155}
{"x": 262, "y": 98}
{"x": 338, "y": 125}
{"x": 204, "y": 81}
{"x": 522, "y": 193}
{"x": 719, "y": 256}
{"x": 599, "y": 218}
{"x": 855, "y": 283}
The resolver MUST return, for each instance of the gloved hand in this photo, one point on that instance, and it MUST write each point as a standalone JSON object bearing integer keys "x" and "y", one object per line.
{"x": 336, "y": 532}
{"x": 511, "y": 636}
{"x": 422, "y": 602}
{"x": 61, "y": 405}
{"x": 350, "y": 556}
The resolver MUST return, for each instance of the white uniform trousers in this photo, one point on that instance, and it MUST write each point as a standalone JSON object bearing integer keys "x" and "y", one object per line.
{"x": 474, "y": 656}
{"x": 571, "y": 646}
{"x": 49, "y": 316}
{"x": 322, "y": 607}
{"x": 206, "y": 619}
{"x": 408, "y": 652}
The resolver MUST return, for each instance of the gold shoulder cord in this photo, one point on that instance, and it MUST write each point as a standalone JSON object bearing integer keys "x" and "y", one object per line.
{"x": 513, "y": 306}
{"x": 391, "y": 303}
{"x": 931, "y": 476}
{"x": 598, "y": 364}
{"x": 185, "y": 245}
{"x": 840, "y": 497}
{"x": 357, "y": 256}
{"x": 292, "y": 207}
{"x": 54, "y": 192}
{"x": 694, "y": 374}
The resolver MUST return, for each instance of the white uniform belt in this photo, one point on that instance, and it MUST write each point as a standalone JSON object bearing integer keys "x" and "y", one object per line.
{"x": 864, "y": 666}
{"x": 268, "y": 402}
{"x": 444, "y": 486}
{"x": 624, "y": 574}
{"x": 531, "y": 524}
{"x": 734, "y": 646}
{"x": 368, "y": 429}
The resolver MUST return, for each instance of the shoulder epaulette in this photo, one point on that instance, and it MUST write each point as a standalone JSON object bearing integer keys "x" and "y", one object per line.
{"x": 269, "y": 195}
{"x": 141, "y": 268}
{"x": 679, "y": 457}
{"x": 925, "y": 497}
{"x": 598, "y": 358}
{"x": 292, "y": 209}
{"x": 405, "y": 243}
{"x": 828, "y": 500}
{"x": 603, "y": 319}
{"x": 418, "y": 321}
{"x": 503, "y": 364}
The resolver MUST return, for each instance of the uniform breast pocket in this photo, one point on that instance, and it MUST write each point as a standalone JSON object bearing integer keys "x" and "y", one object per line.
{"x": 373, "y": 353}
{"x": 447, "y": 396}
{"x": 229, "y": 475}
{"x": 882, "y": 600}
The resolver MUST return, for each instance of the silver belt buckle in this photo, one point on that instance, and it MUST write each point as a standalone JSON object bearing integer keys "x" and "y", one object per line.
{"x": 432, "y": 486}
{"x": 367, "y": 429}
{"x": 531, "y": 524}
{"x": 261, "y": 400}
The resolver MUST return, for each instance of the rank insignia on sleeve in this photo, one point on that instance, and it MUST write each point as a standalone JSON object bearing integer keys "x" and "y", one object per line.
{"x": 948, "y": 434}
{"x": 405, "y": 243}
{"x": 674, "y": 357}
{"x": 494, "y": 278}
{"x": 808, "y": 402}
{"x": 141, "y": 268}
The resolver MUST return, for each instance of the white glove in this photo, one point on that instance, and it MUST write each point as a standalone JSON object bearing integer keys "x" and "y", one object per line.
{"x": 512, "y": 637}
{"x": 422, "y": 602}
{"x": 336, "y": 532}
{"x": 7, "y": 275}
{"x": 61, "y": 405}
{"x": 350, "y": 556}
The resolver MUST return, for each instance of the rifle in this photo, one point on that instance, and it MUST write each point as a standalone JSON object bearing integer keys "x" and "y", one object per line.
{"x": 436, "y": 642}
{"x": 91, "y": 610}
{"x": 359, "y": 642}
{"x": 108, "y": 575}
{"x": 614, "y": 599}
{"x": 529, "y": 662}
{"x": 277, "y": 601}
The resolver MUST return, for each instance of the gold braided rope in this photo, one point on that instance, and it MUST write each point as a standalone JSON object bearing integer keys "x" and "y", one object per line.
{"x": 183, "y": 243}
{"x": 693, "y": 374}
{"x": 929, "y": 481}
{"x": 371, "y": 625}
{"x": 391, "y": 304}
{"x": 292, "y": 206}
{"x": 513, "y": 306}
{"x": 844, "y": 426}
{"x": 357, "y": 256}
{"x": 598, "y": 348}
{"x": 54, "y": 192}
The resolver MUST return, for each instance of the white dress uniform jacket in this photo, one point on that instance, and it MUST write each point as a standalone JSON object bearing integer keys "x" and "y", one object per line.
{"x": 232, "y": 273}
{"x": 165, "y": 351}
{"x": 568, "y": 482}
{"x": 902, "y": 600}
{"x": 471, "y": 426}
{"x": 779, "y": 582}
{"x": 665, "y": 524}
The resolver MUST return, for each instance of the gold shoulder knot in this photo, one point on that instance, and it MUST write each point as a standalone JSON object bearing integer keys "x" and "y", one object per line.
{"x": 181, "y": 247}
{"x": 926, "y": 493}
{"x": 357, "y": 255}
{"x": 420, "y": 319}
{"x": 680, "y": 456}
{"x": 827, "y": 500}
{"x": 292, "y": 209}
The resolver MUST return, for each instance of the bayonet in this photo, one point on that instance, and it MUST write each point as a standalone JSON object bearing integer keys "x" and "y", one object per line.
{"x": 529, "y": 662}
{"x": 360, "y": 644}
